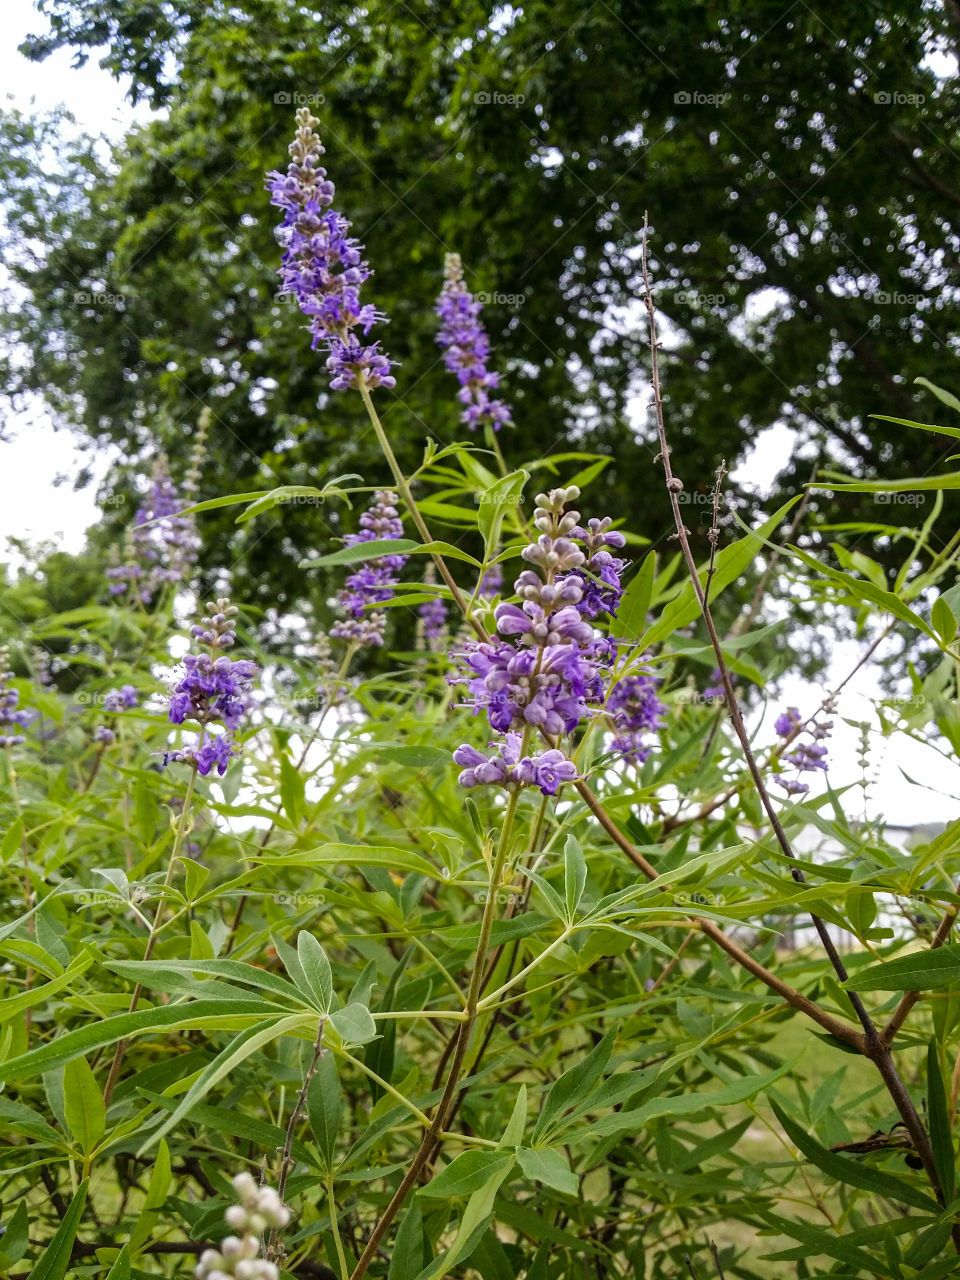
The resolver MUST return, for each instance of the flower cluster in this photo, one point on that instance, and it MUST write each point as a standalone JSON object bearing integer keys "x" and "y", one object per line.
{"x": 555, "y": 674}
{"x": 123, "y": 699}
{"x": 11, "y": 718}
{"x": 547, "y": 771}
{"x": 323, "y": 267}
{"x": 373, "y": 582}
{"x": 635, "y": 709}
{"x": 259, "y": 1208}
{"x": 806, "y": 757}
{"x": 214, "y": 690}
{"x": 599, "y": 576}
{"x": 162, "y": 545}
{"x": 466, "y": 349}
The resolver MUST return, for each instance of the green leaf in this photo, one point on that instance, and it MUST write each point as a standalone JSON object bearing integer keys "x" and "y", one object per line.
{"x": 292, "y": 786}
{"x": 574, "y": 875}
{"x": 851, "y": 1172}
{"x": 686, "y": 1104}
{"x": 731, "y": 563}
{"x": 355, "y": 855}
{"x": 945, "y": 397}
{"x": 466, "y": 1174}
{"x": 494, "y": 502}
{"x": 243, "y": 1046}
{"x": 941, "y": 1136}
{"x": 194, "y": 1016}
{"x": 361, "y": 551}
{"x": 406, "y": 1258}
{"x": 354, "y": 1023}
{"x": 635, "y": 601}
{"x": 157, "y": 1190}
{"x": 324, "y": 1106}
{"x": 475, "y": 1220}
{"x": 549, "y": 1166}
{"x": 53, "y": 1262}
{"x": 419, "y": 757}
{"x": 944, "y": 622}
{"x": 316, "y": 971}
{"x": 920, "y": 971}
{"x": 575, "y": 1085}
{"x": 83, "y": 1105}
{"x": 16, "y": 1235}
{"x": 121, "y": 1265}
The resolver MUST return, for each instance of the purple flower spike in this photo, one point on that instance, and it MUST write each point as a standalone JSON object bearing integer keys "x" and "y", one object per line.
{"x": 11, "y": 718}
{"x": 548, "y": 771}
{"x": 635, "y": 709}
{"x": 214, "y": 690}
{"x": 323, "y": 266}
{"x": 373, "y": 582}
{"x": 162, "y": 545}
{"x": 806, "y": 756}
{"x": 466, "y": 349}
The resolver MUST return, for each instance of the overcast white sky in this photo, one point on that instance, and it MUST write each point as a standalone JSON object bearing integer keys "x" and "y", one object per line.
{"x": 36, "y": 456}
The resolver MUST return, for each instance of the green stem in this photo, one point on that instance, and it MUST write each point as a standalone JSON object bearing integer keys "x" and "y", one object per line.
{"x": 183, "y": 826}
{"x": 433, "y": 1133}
{"x": 335, "y": 1228}
{"x": 404, "y": 490}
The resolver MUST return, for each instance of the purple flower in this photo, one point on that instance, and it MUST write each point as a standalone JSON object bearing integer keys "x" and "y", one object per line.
{"x": 715, "y": 689}
{"x": 635, "y": 709}
{"x": 599, "y": 578}
{"x": 323, "y": 266}
{"x": 214, "y": 690}
{"x": 10, "y": 716}
{"x": 793, "y": 786}
{"x": 466, "y": 349}
{"x": 373, "y": 582}
{"x": 104, "y": 735}
{"x": 548, "y": 771}
{"x": 162, "y": 546}
{"x": 786, "y": 722}
{"x": 806, "y": 756}
{"x": 554, "y": 677}
{"x": 434, "y": 615}
{"x": 492, "y": 582}
{"x": 122, "y": 699}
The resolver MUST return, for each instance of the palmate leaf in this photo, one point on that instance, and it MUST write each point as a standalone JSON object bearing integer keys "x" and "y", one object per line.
{"x": 243, "y": 1046}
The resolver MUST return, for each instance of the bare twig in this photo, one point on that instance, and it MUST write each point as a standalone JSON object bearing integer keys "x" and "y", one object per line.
{"x": 873, "y": 1047}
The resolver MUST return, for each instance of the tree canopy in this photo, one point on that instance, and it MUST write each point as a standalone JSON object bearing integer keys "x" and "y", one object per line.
{"x": 798, "y": 170}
